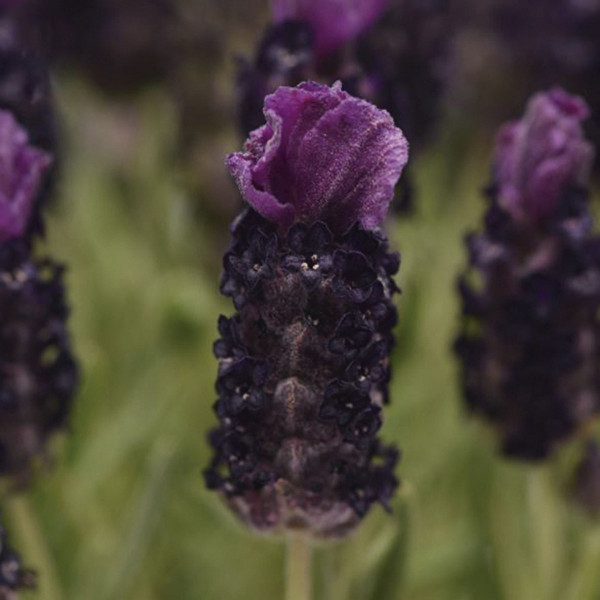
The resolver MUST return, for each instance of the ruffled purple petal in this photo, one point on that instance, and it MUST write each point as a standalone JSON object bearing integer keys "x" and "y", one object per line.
{"x": 22, "y": 168}
{"x": 538, "y": 157}
{"x": 334, "y": 22}
{"x": 323, "y": 155}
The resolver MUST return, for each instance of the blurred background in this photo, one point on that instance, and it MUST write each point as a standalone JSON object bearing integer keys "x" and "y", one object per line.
{"x": 142, "y": 207}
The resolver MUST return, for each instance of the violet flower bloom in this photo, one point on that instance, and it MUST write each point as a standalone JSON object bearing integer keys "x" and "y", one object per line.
{"x": 529, "y": 344}
{"x": 538, "y": 157}
{"x": 13, "y": 577}
{"x": 322, "y": 155}
{"x": 304, "y": 363}
{"x": 22, "y": 170}
{"x": 333, "y": 22}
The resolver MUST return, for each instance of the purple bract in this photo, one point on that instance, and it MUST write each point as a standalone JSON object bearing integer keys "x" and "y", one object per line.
{"x": 333, "y": 22}
{"x": 22, "y": 168}
{"x": 541, "y": 155}
{"x": 323, "y": 155}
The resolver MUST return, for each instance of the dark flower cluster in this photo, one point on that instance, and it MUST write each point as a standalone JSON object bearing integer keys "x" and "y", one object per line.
{"x": 529, "y": 342}
{"x": 38, "y": 374}
{"x": 400, "y": 64}
{"x": 13, "y": 576}
{"x": 303, "y": 375}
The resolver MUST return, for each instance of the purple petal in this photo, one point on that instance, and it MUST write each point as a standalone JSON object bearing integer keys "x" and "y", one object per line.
{"x": 22, "y": 168}
{"x": 323, "y": 155}
{"x": 334, "y": 22}
{"x": 540, "y": 156}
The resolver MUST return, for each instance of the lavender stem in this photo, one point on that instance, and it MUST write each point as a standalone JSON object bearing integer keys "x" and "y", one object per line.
{"x": 298, "y": 579}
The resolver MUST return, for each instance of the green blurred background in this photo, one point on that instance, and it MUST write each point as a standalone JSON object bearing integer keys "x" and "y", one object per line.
{"x": 122, "y": 514}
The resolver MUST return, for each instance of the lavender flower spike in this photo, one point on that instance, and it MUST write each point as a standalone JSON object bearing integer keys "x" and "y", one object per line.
{"x": 323, "y": 155}
{"x": 538, "y": 156}
{"x": 304, "y": 363}
{"x": 22, "y": 168}
{"x": 530, "y": 342}
{"x": 333, "y": 22}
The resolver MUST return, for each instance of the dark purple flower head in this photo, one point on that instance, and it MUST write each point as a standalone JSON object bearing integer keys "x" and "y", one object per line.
{"x": 540, "y": 156}
{"x": 22, "y": 169}
{"x": 303, "y": 375}
{"x": 334, "y": 22}
{"x": 322, "y": 155}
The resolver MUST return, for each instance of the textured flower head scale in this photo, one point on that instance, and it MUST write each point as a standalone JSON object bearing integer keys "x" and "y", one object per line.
{"x": 303, "y": 364}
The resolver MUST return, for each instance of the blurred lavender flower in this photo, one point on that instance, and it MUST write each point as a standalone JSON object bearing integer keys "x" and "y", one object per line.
{"x": 13, "y": 576}
{"x": 303, "y": 364}
{"x": 38, "y": 374}
{"x": 22, "y": 168}
{"x": 529, "y": 341}
{"x": 28, "y": 135}
{"x": 399, "y": 63}
{"x": 539, "y": 156}
{"x": 37, "y": 371}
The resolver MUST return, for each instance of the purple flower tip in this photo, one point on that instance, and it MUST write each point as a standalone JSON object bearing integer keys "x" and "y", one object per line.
{"x": 333, "y": 22}
{"x": 21, "y": 172}
{"x": 541, "y": 155}
{"x": 322, "y": 155}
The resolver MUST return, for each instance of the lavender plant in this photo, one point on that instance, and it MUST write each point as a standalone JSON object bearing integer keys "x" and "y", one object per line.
{"x": 303, "y": 364}
{"x": 529, "y": 337}
{"x": 398, "y": 62}
{"x": 37, "y": 371}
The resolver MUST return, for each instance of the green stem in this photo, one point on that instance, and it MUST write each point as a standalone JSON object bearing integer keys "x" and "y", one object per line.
{"x": 298, "y": 568}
